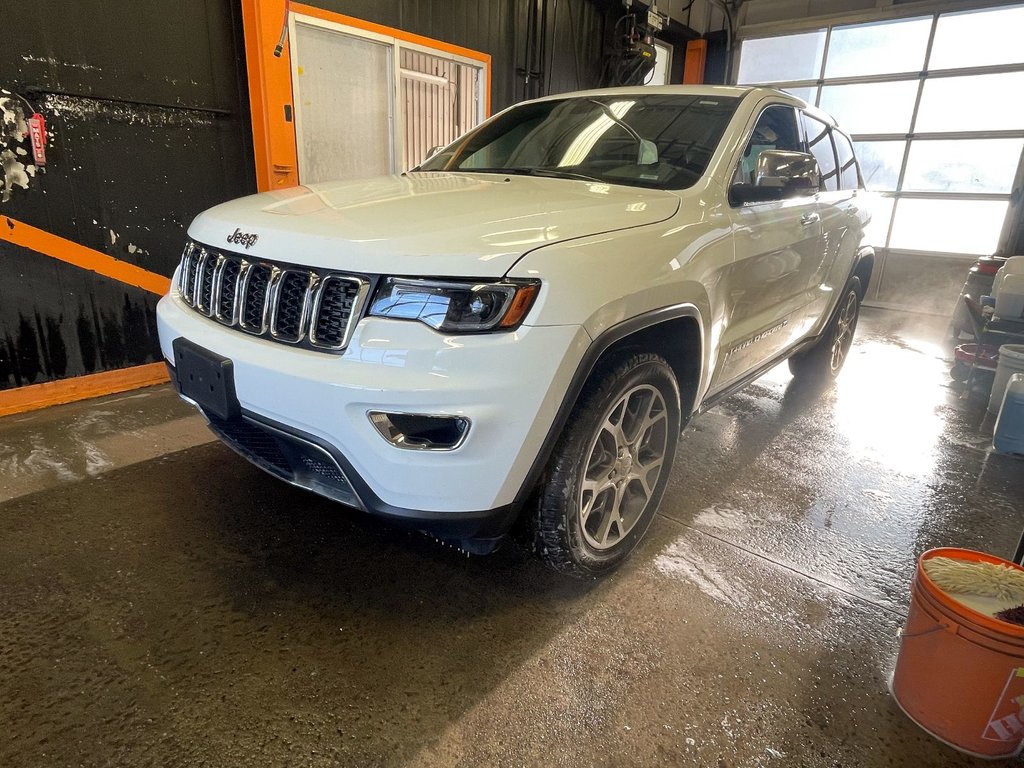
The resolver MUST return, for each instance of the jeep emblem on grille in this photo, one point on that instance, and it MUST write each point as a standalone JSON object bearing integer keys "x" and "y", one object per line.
{"x": 243, "y": 238}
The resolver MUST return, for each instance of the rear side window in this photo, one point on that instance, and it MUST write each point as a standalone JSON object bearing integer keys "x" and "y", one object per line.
{"x": 820, "y": 145}
{"x": 848, "y": 176}
{"x": 775, "y": 129}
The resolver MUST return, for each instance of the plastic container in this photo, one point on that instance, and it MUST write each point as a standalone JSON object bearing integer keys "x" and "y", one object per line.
{"x": 1011, "y": 361}
{"x": 960, "y": 674}
{"x": 1009, "y": 432}
{"x": 1012, "y": 266}
{"x": 1010, "y": 297}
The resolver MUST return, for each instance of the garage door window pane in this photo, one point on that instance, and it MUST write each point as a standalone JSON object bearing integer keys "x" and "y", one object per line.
{"x": 880, "y": 163}
{"x": 820, "y": 144}
{"x": 881, "y": 212}
{"x": 871, "y": 107}
{"x": 777, "y": 59}
{"x": 878, "y": 49}
{"x": 977, "y": 165}
{"x": 972, "y": 103}
{"x": 950, "y": 226}
{"x": 979, "y": 38}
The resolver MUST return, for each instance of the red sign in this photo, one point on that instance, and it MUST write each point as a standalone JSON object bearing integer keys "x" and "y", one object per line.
{"x": 37, "y": 130}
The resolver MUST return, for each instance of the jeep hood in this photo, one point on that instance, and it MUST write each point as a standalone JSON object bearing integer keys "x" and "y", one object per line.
{"x": 430, "y": 224}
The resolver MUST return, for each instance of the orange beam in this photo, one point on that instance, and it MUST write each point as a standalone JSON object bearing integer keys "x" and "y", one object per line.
{"x": 693, "y": 64}
{"x": 398, "y": 34}
{"x": 68, "y": 251}
{"x": 36, "y": 396}
{"x": 270, "y": 93}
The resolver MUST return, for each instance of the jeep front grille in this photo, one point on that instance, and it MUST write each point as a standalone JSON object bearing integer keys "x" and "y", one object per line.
{"x": 295, "y": 305}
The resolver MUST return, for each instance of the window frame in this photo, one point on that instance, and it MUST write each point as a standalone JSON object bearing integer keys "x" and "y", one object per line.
{"x": 854, "y": 159}
{"x": 831, "y": 142}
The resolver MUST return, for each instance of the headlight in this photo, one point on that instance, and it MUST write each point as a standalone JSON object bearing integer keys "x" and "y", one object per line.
{"x": 456, "y": 307}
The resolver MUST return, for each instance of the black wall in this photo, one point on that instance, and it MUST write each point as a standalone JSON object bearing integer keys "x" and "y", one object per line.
{"x": 149, "y": 124}
{"x": 146, "y": 105}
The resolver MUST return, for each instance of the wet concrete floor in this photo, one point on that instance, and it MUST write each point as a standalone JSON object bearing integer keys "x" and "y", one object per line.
{"x": 164, "y": 603}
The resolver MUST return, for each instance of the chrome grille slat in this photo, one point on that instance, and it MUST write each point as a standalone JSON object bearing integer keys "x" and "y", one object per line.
{"x": 227, "y": 291}
{"x": 205, "y": 283}
{"x": 186, "y": 261}
{"x": 291, "y": 305}
{"x": 255, "y": 293}
{"x": 333, "y": 306}
{"x": 190, "y": 271}
{"x": 311, "y": 308}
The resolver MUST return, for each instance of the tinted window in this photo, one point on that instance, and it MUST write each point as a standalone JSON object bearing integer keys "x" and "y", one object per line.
{"x": 820, "y": 145}
{"x": 775, "y": 129}
{"x": 848, "y": 176}
{"x": 660, "y": 141}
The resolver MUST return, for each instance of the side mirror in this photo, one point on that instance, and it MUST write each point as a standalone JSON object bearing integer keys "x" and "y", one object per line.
{"x": 778, "y": 175}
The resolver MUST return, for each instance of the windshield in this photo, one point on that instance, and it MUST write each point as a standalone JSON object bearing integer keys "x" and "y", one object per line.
{"x": 658, "y": 141}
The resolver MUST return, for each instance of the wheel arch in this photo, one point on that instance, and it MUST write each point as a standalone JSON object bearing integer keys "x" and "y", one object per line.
{"x": 652, "y": 332}
{"x": 680, "y": 341}
{"x": 862, "y": 269}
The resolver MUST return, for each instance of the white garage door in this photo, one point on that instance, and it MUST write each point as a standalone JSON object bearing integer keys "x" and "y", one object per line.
{"x": 936, "y": 107}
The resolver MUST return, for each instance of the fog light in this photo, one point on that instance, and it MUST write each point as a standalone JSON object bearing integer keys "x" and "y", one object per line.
{"x": 421, "y": 432}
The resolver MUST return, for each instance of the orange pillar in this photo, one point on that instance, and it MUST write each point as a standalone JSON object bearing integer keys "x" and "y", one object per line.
{"x": 693, "y": 65}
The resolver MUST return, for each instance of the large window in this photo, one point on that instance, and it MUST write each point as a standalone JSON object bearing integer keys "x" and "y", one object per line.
{"x": 935, "y": 105}
{"x": 367, "y": 103}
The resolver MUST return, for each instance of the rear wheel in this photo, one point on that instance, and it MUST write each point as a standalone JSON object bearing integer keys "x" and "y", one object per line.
{"x": 608, "y": 473}
{"x": 825, "y": 359}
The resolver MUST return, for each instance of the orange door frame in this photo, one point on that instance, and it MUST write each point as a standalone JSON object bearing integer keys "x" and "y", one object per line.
{"x": 269, "y": 71}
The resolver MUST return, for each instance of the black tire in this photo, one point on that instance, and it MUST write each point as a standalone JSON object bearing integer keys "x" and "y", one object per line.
{"x": 629, "y": 408}
{"x": 825, "y": 359}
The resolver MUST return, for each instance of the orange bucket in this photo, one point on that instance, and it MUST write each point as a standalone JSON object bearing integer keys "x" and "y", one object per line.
{"x": 960, "y": 673}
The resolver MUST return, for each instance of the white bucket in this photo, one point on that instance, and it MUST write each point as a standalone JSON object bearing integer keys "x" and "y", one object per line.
{"x": 1010, "y": 297}
{"x": 1011, "y": 361}
{"x": 1013, "y": 266}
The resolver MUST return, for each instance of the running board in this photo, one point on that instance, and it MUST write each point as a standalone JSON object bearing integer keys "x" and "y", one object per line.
{"x": 711, "y": 401}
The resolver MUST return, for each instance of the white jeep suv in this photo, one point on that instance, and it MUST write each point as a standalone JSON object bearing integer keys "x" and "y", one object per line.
{"x": 522, "y": 325}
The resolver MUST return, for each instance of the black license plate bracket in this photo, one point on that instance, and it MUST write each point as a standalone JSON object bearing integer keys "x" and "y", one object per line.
{"x": 207, "y": 378}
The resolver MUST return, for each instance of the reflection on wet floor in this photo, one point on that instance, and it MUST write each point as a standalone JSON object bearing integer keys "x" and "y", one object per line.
{"x": 850, "y": 483}
{"x": 175, "y": 606}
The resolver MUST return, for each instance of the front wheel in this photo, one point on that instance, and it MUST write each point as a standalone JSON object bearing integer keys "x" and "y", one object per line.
{"x": 825, "y": 359}
{"x": 608, "y": 473}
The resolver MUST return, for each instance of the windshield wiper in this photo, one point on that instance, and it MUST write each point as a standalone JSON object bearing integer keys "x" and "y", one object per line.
{"x": 553, "y": 173}
{"x": 556, "y": 173}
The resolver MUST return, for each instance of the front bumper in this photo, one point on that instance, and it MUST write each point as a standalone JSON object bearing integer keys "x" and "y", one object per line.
{"x": 508, "y": 385}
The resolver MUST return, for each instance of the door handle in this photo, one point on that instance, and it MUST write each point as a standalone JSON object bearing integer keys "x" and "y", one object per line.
{"x": 810, "y": 218}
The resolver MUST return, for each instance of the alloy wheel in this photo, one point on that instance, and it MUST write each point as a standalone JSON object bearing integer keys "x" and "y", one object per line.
{"x": 624, "y": 463}
{"x": 842, "y": 339}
